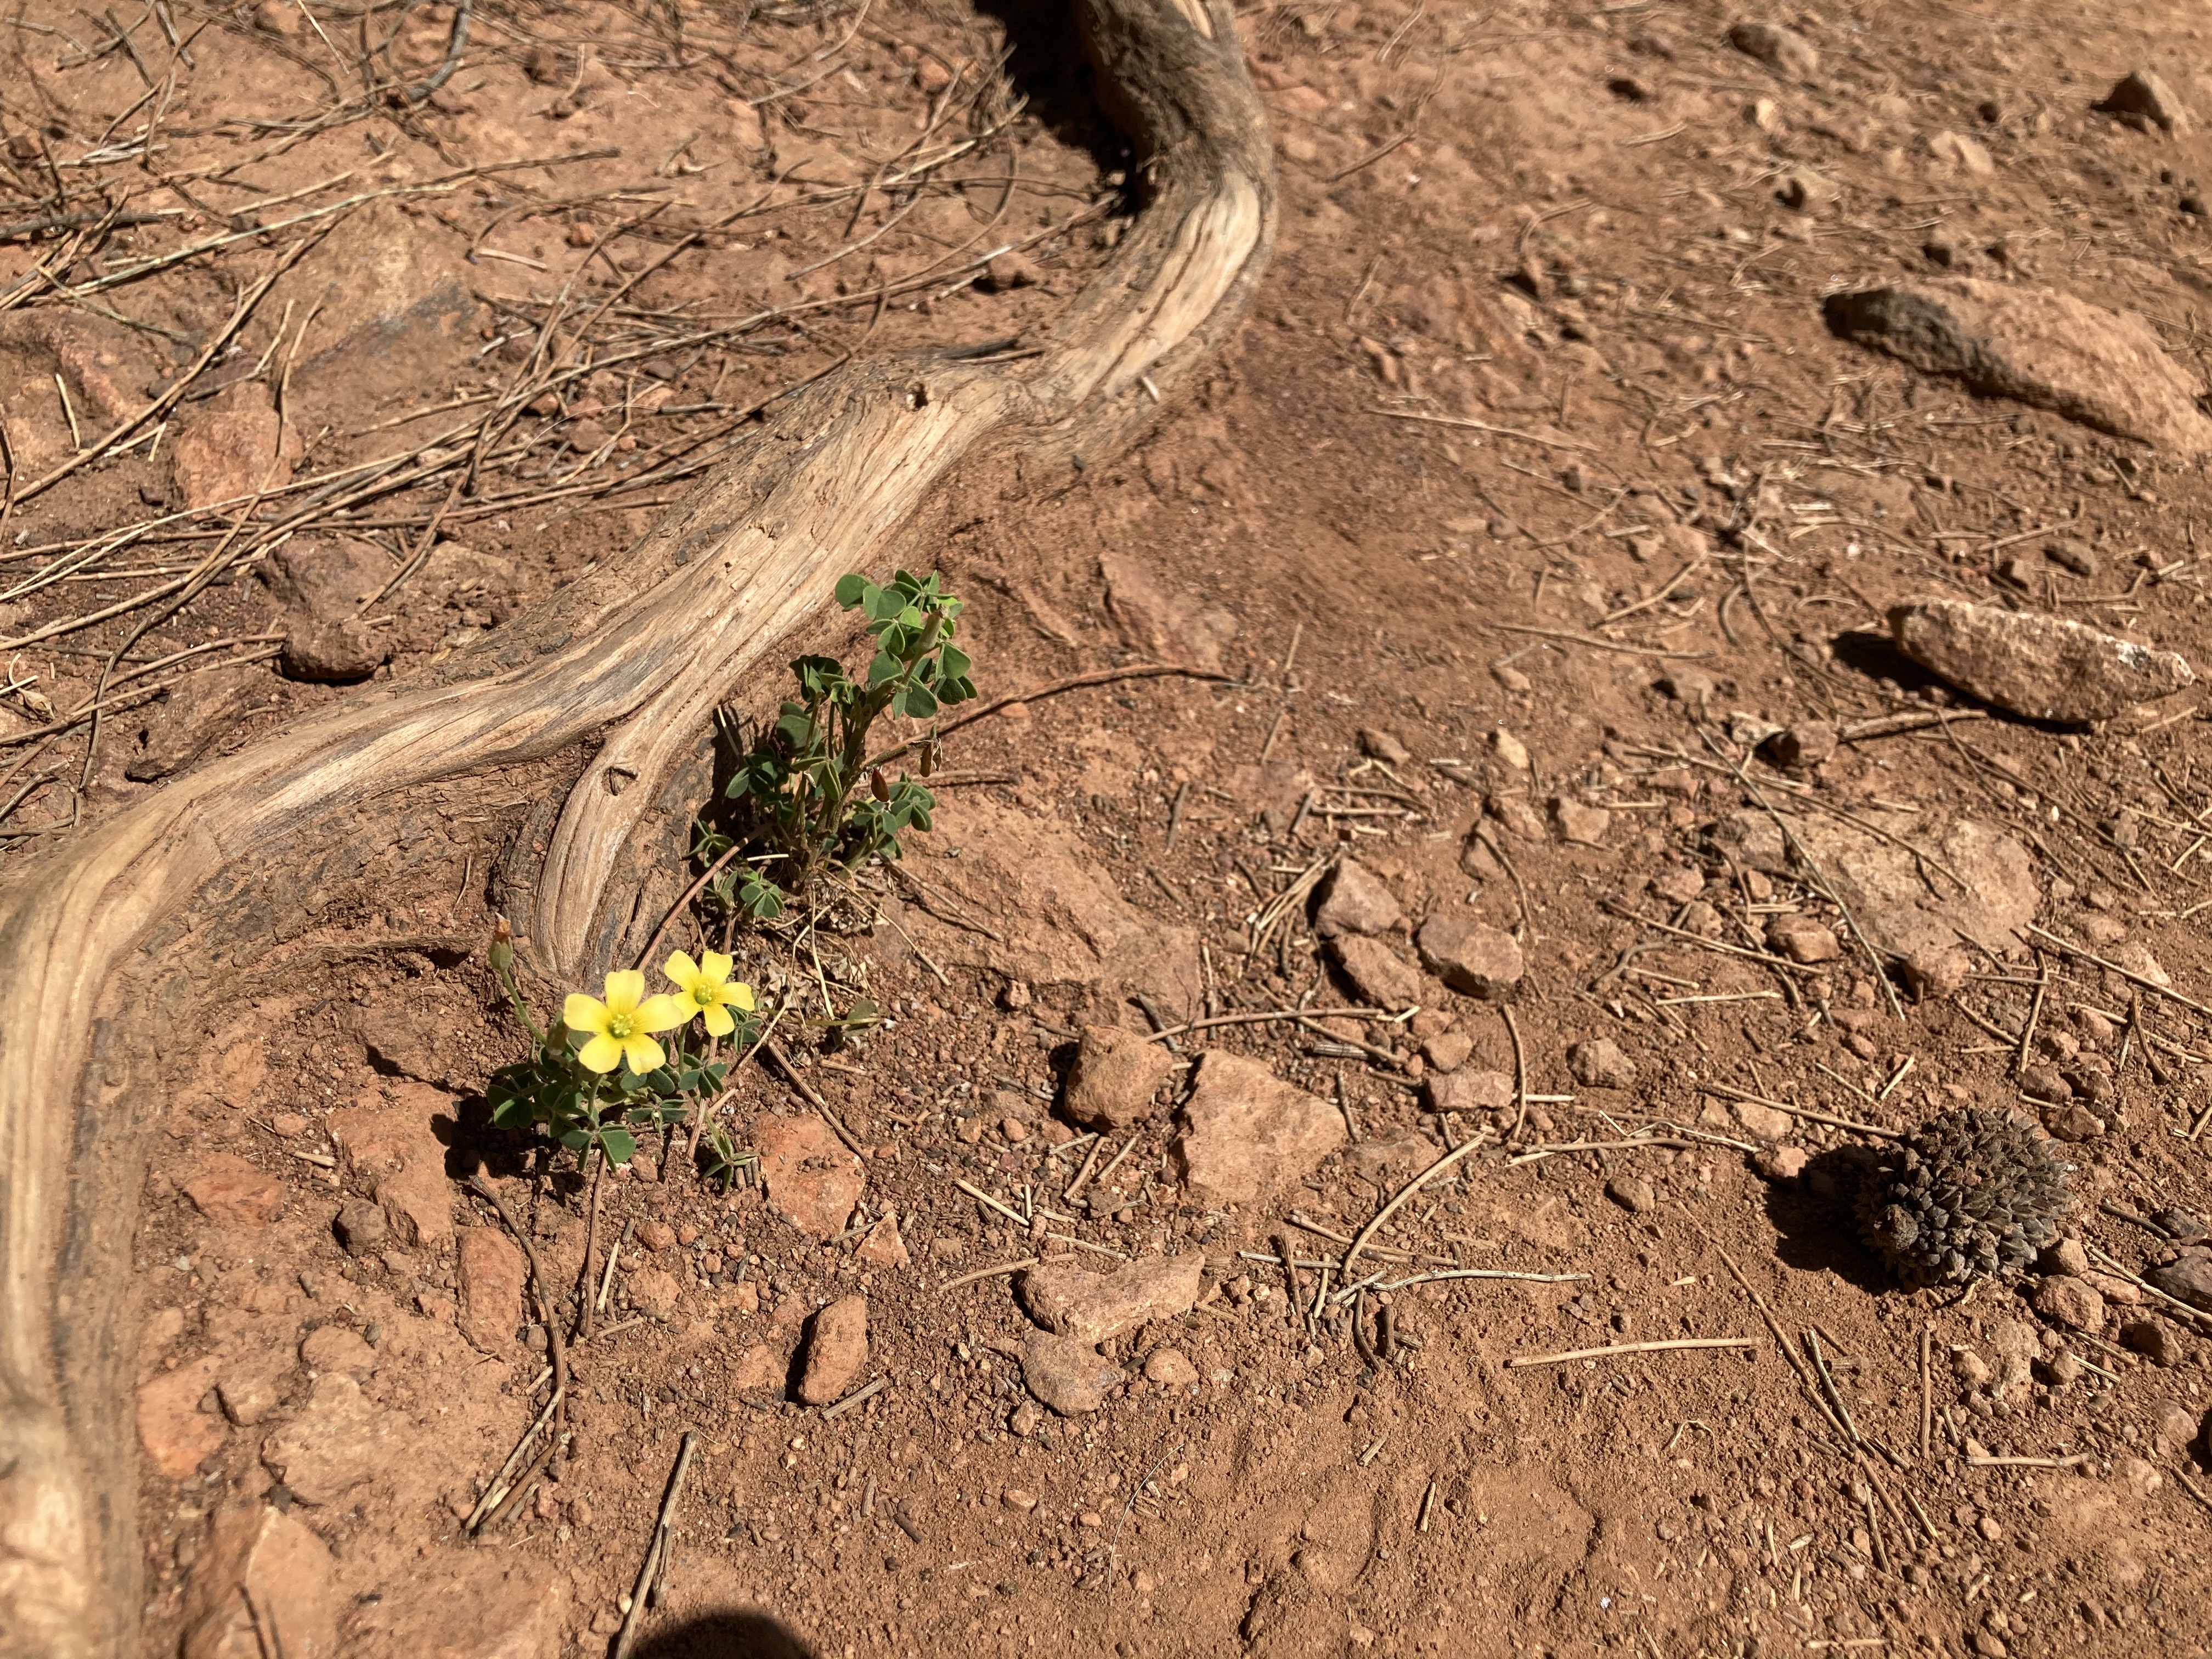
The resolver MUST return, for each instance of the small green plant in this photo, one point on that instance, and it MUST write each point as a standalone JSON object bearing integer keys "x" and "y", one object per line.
{"x": 809, "y": 800}
{"x": 601, "y": 1076}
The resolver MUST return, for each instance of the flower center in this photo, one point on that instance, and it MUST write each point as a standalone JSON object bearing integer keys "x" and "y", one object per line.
{"x": 703, "y": 994}
{"x": 619, "y": 1026}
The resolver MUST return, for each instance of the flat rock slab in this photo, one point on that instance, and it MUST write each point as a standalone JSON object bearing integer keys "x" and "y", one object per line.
{"x": 2102, "y": 369}
{"x": 1246, "y": 1131}
{"x": 812, "y": 1181}
{"x": 260, "y": 1566}
{"x": 1470, "y": 955}
{"x": 1069, "y": 1301}
{"x": 1355, "y": 901}
{"x": 2045, "y": 668}
{"x": 337, "y": 1442}
{"x": 1380, "y": 974}
{"x": 1067, "y": 1375}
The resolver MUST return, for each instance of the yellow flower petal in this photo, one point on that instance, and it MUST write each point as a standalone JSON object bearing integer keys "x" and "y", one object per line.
{"x": 644, "y": 1054}
{"x": 682, "y": 972}
{"x": 660, "y": 1014}
{"x": 741, "y": 996}
{"x": 601, "y": 1054}
{"x": 583, "y": 1013}
{"x": 719, "y": 1023}
{"x": 625, "y": 990}
{"x": 718, "y": 966}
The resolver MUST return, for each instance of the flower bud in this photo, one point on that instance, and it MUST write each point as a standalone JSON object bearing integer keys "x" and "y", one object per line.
{"x": 877, "y": 787}
{"x": 502, "y": 946}
{"x": 928, "y": 758}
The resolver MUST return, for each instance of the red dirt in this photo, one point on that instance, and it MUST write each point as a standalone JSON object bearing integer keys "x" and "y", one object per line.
{"x": 1560, "y": 233}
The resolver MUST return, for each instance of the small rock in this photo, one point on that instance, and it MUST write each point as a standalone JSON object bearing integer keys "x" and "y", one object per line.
{"x": 1246, "y": 1133}
{"x": 1579, "y": 824}
{"x": 260, "y": 1570}
{"x": 656, "y": 1235}
{"x": 1599, "y": 1064}
{"x": 1388, "y": 1157}
{"x": 2174, "y": 1423}
{"x": 331, "y": 653}
{"x": 812, "y": 1181}
{"x": 396, "y": 1149}
{"x": 1379, "y": 974}
{"x": 2064, "y": 1368}
{"x": 2070, "y": 1303}
{"x": 2155, "y": 1340}
{"x": 1781, "y": 1163}
{"x": 1169, "y": 1368}
{"x": 1932, "y": 976}
{"x": 178, "y": 1435}
{"x": 2068, "y": 1258}
{"x": 1512, "y": 753}
{"x": 1066, "y": 1375}
{"x": 1519, "y": 819}
{"x": 1691, "y": 687}
{"x": 1510, "y": 678}
{"x": 1068, "y": 1300}
{"x": 1679, "y": 883}
{"x": 1469, "y": 1093}
{"x": 1803, "y": 939}
{"x": 1701, "y": 919}
{"x": 1117, "y": 1073}
{"x": 491, "y": 1279}
{"x": 2070, "y": 554}
{"x": 360, "y": 1227}
{"x": 2139, "y": 1477}
{"x": 1025, "y": 1419}
{"x": 2189, "y": 1280}
{"x": 2102, "y": 369}
{"x": 2045, "y": 1082}
{"x": 338, "y": 1348}
{"x": 252, "y": 1387}
{"x": 654, "y": 1291}
{"x": 758, "y": 1366}
{"x": 1970, "y": 1368}
{"x": 327, "y": 579}
{"x": 1470, "y": 955}
{"x": 1018, "y": 1497}
{"x": 2073, "y": 1122}
{"x": 1009, "y": 270}
{"x": 1764, "y": 1121}
{"x": 1383, "y": 747}
{"x": 1785, "y": 51}
{"x": 2182, "y": 1227}
{"x": 1807, "y": 742}
{"x": 881, "y": 1246}
{"x": 233, "y": 1193}
{"x": 1355, "y": 901}
{"x": 338, "y": 1441}
{"x": 2144, "y": 101}
{"x": 836, "y": 1352}
{"x": 1633, "y": 1193}
{"x": 1806, "y": 190}
{"x": 1448, "y": 1051}
{"x": 2044, "y": 668}
{"x": 1967, "y": 155}
{"x": 232, "y": 447}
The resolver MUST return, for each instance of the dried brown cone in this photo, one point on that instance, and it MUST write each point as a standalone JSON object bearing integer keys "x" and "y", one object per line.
{"x": 1969, "y": 1193}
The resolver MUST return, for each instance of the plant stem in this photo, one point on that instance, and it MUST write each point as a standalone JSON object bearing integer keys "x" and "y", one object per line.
{"x": 592, "y": 1251}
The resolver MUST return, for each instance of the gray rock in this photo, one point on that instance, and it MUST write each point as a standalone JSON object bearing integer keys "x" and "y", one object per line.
{"x": 2102, "y": 369}
{"x": 1115, "y": 1075}
{"x": 1470, "y": 955}
{"x": 2181, "y": 1227}
{"x": 2144, "y": 101}
{"x": 2189, "y": 1280}
{"x": 1066, "y": 1375}
{"x": 1355, "y": 902}
{"x": 1470, "y": 1092}
{"x": 1785, "y": 51}
{"x": 360, "y": 1227}
{"x": 1599, "y": 1064}
{"x": 1379, "y": 974}
{"x": 2046, "y": 668}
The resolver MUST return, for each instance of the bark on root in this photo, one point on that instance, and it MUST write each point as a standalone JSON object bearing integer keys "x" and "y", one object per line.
{"x": 237, "y": 873}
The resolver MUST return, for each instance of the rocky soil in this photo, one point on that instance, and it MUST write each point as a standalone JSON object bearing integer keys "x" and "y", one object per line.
{"x": 1359, "y": 1156}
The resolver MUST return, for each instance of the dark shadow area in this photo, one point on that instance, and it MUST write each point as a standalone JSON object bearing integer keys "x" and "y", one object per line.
{"x": 1048, "y": 66}
{"x": 1819, "y": 1229}
{"x": 746, "y": 1635}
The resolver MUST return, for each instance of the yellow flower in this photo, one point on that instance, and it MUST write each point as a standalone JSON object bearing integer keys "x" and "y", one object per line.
{"x": 707, "y": 989}
{"x": 619, "y": 1028}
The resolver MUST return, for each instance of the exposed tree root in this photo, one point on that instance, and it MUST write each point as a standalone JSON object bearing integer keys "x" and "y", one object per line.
{"x": 235, "y": 876}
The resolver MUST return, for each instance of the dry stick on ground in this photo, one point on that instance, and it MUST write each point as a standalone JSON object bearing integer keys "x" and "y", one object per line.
{"x": 1634, "y": 1347}
{"x": 656, "y": 1552}
{"x": 1520, "y": 1074}
{"x": 619, "y": 672}
{"x": 538, "y": 1283}
{"x": 791, "y": 1075}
